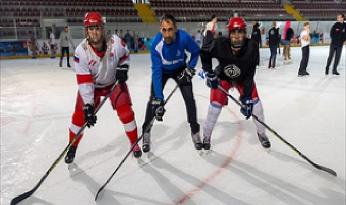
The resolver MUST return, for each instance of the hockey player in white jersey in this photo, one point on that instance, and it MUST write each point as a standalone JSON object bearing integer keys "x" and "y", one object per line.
{"x": 99, "y": 63}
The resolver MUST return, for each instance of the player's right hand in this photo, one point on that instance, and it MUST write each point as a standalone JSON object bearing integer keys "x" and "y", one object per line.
{"x": 89, "y": 115}
{"x": 158, "y": 108}
{"x": 212, "y": 80}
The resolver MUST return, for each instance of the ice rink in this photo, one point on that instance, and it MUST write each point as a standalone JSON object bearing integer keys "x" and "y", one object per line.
{"x": 37, "y": 100}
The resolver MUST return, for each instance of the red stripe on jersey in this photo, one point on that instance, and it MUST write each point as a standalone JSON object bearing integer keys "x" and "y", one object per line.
{"x": 122, "y": 59}
{"x": 84, "y": 79}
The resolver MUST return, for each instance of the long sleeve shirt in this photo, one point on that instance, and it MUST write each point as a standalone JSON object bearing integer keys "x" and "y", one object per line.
{"x": 96, "y": 69}
{"x": 65, "y": 39}
{"x": 338, "y": 34}
{"x": 169, "y": 58}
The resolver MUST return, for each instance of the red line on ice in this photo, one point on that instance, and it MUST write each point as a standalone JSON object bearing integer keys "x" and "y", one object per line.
{"x": 217, "y": 172}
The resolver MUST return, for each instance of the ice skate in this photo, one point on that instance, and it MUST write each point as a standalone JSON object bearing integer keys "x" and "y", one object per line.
{"x": 146, "y": 142}
{"x": 264, "y": 140}
{"x": 137, "y": 152}
{"x": 196, "y": 139}
{"x": 206, "y": 143}
{"x": 70, "y": 154}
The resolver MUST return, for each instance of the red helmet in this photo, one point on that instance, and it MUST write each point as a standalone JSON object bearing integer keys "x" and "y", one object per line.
{"x": 92, "y": 18}
{"x": 236, "y": 23}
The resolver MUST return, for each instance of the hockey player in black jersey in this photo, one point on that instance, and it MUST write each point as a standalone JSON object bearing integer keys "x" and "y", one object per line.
{"x": 237, "y": 65}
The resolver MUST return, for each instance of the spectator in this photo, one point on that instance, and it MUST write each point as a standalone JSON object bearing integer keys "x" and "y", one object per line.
{"x": 211, "y": 25}
{"x": 128, "y": 40}
{"x": 52, "y": 44}
{"x": 273, "y": 44}
{"x": 135, "y": 42}
{"x": 256, "y": 36}
{"x": 305, "y": 42}
{"x": 32, "y": 44}
{"x": 287, "y": 36}
{"x": 338, "y": 36}
{"x": 65, "y": 40}
{"x": 45, "y": 48}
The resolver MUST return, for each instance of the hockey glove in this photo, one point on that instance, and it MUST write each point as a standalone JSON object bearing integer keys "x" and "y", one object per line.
{"x": 184, "y": 78}
{"x": 158, "y": 108}
{"x": 246, "y": 108}
{"x": 121, "y": 74}
{"x": 89, "y": 115}
{"x": 212, "y": 80}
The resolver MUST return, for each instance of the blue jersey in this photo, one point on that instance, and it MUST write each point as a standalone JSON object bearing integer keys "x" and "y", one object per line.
{"x": 168, "y": 58}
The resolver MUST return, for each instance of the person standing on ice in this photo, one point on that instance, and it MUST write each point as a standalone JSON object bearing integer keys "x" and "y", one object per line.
{"x": 274, "y": 40}
{"x": 168, "y": 59}
{"x": 99, "y": 63}
{"x": 211, "y": 25}
{"x": 305, "y": 44}
{"x": 65, "y": 40}
{"x": 256, "y": 36}
{"x": 237, "y": 57}
{"x": 338, "y": 36}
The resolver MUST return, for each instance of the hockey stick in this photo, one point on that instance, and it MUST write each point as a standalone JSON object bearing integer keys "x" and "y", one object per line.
{"x": 317, "y": 166}
{"x": 27, "y": 194}
{"x": 129, "y": 152}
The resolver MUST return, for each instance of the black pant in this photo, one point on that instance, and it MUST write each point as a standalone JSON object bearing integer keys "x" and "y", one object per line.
{"x": 258, "y": 56}
{"x": 272, "y": 59}
{"x": 305, "y": 60}
{"x": 337, "y": 50}
{"x": 63, "y": 51}
{"x": 190, "y": 104}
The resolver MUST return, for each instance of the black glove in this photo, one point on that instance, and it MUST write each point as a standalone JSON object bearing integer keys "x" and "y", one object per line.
{"x": 246, "y": 108}
{"x": 89, "y": 115}
{"x": 184, "y": 78}
{"x": 212, "y": 80}
{"x": 121, "y": 74}
{"x": 158, "y": 108}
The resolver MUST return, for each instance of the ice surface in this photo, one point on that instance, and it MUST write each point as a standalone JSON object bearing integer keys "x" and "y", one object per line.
{"x": 37, "y": 99}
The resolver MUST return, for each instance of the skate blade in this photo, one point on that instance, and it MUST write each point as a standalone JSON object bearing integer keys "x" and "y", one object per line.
{"x": 140, "y": 162}
{"x": 72, "y": 167}
{"x": 150, "y": 155}
{"x": 205, "y": 152}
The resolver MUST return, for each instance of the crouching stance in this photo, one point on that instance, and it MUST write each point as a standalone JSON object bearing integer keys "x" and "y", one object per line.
{"x": 99, "y": 64}
{"x": 169, "y": 61}
{"x": 237, "y": 65}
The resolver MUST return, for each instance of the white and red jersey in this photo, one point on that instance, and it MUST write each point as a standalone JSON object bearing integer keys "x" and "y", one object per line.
{"x": 97, "y": 70}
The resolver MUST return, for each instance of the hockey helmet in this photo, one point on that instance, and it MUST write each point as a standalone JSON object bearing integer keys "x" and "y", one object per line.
{"x": 236, "y": 23}
{"x": 93, "y": 18}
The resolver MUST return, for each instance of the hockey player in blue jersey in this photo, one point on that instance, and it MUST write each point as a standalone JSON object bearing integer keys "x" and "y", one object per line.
{"x": 168, "y": 59}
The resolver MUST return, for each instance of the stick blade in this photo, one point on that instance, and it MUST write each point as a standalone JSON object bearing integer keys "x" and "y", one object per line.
{"x": 325, "y": 169}
{"x": 98, "y": 192}
{"x": 21, "y": 197}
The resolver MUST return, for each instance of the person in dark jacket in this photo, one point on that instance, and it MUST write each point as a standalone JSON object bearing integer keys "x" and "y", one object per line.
{"x": 256, "y": 36}
{"x": 236, "y": 56}
{"x": 287, "y": 36}
{"x": 273, "y": 44}
{"x": 338, "y": 36}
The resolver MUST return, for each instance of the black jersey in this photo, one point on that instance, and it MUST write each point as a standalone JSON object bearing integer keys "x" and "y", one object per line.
{"x": 236, "y": 69}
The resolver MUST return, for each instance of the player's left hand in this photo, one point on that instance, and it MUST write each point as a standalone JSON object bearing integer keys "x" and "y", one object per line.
{"x": 185, "y": 77}
{"x": 246, "y": 108}
{"x": 121, "y": 75}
